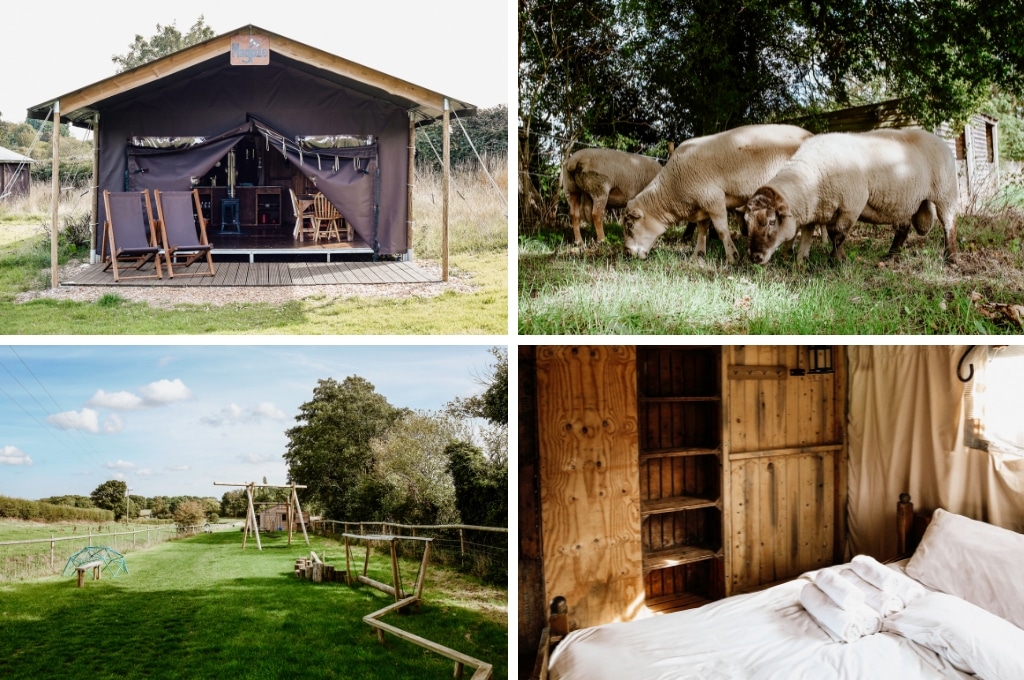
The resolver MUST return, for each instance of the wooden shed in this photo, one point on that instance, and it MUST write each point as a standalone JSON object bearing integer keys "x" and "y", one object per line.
{"x": 250, "y": 116}
{"x": 275, "y": 518}
{"x": 975, "y": 146}
{"x": 14, "y": 174}
{"x": 657, "y": 478}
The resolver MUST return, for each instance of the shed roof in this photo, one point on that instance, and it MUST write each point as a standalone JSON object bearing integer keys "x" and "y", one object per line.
{"x": 8, "y": 156}
{"x": 885, "y": 114}
{"x": 79, "y": 106}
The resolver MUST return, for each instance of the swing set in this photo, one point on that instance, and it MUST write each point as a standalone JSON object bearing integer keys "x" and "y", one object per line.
{"x": 251, "y": 523}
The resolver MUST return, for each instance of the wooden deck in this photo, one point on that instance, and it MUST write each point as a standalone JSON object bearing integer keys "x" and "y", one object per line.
{"x": 265, "y": 274}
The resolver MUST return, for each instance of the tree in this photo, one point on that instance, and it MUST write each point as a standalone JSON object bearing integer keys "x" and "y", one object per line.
{"x": 189, "y": 513}
{"x": 488, "y": 129}
{"x": 110, "y": 496}
{"x": 166, "y": 40}
{"x": 330, "y": 450}
{"x": 481, "y": 486}
{"x": 234, "y": 504}
{"x": 409, "y": 477}
{"x": 493, "y": 403}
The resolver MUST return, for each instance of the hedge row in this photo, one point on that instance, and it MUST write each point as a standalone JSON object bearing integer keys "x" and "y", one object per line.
{"x": 16, "y": 508}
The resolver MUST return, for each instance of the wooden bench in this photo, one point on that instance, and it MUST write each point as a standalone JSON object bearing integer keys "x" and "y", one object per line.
{"x": 82, "y": 568}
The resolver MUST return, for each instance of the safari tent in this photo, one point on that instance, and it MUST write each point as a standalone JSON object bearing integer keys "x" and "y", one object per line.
{"x": 661, "y": 478}
{"x": 249, "y": 116}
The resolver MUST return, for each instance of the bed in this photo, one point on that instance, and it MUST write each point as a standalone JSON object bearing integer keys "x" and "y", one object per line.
{"x": 968, "y": 622}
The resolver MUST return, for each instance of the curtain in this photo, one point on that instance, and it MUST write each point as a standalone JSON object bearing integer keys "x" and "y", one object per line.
{"x": 906, "y": 434}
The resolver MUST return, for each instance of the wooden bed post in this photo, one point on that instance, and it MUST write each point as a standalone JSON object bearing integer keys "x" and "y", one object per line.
{"x": 904, "y": 520}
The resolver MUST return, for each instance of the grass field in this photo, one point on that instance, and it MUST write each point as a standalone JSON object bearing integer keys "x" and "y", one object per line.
{"x": 600, "y": 291}
{"x": 202, "y": 607}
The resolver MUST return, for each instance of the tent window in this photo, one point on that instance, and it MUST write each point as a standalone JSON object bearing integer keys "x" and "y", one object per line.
{"x": 313, "y": 142}
{"x": 992, "y": 402}
{"x": 167, "y": 142}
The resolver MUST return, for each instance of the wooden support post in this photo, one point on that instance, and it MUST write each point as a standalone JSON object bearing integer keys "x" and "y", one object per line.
{"x": 446, "y": 185}
{"x": 423, "y": 570}
{"x": 396, "y": 577}
{"x": 411, "y": 173}
{"x": 366, "y": 560}
{"x": 95, "y": 225}
{"x": 52, "y": 544}
{"x": 348, "y": 557}
{"x": 55, "y": 199}
{"x": 462, "y": 541}
{"x": 302, "y": 522}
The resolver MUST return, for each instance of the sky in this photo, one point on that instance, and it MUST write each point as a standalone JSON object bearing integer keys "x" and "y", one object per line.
{"x": 172, "y": 420}
{"x": 459, "y": 48}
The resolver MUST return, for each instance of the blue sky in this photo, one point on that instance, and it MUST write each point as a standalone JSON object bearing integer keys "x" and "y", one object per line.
{"x": 171, "y": 420}
{"x": 459, "y": 48}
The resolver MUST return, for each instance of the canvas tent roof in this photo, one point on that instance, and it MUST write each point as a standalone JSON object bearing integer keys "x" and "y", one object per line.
{"x": 79, "y": 106}
{"x": 8, "y": 156}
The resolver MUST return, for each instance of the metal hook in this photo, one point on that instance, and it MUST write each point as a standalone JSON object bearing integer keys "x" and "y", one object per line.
{"x": 970, "y": 367}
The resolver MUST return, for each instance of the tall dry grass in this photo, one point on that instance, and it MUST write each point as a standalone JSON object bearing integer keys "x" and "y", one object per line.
{"x": 478, "y": 210}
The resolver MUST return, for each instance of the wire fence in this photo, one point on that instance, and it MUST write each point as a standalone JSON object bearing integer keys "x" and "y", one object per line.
{"x": 481, "y": 551}
{"x": 37, "y": 557}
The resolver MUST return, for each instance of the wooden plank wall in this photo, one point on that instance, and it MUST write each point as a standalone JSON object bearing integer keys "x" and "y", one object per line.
{"x": 587, "y": 434}
{"x": 787, "y": 466}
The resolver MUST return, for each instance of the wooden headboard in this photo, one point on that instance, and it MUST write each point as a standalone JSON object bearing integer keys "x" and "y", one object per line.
{"x": 910, "y": 526}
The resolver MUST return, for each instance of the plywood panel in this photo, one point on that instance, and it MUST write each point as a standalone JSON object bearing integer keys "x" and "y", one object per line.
{"x": 590, "y": 488}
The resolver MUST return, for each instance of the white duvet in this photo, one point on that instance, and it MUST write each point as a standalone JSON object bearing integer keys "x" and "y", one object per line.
{"x": 764, "y": 635}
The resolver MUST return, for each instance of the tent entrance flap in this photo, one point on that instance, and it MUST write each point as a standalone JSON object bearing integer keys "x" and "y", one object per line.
{"x": 345, "y": 168}
{"x": 347, "y": 175}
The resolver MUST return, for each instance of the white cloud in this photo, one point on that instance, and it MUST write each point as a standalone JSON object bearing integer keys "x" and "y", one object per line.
{"x": 165, "y": 361}
{"x": 113, "y": 424}
{"x": 259, "y": 458}
{"x": 233, "y": 414}
{"x": 177, "y": 468}
{"x": 118, "y": 401}
{"x": 165, "y": 392}
{"x": 12, "y": 455}
{"x": 120, "y": 465}
{"x": 87, "y": 420}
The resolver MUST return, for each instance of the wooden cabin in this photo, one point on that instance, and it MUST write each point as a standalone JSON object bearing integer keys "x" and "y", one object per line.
{"x": 275, "y": 518}
{"x": 656, "y": 478}
{"x": 975, "y": 146}
{"x": 14, "y": 174}
{"x": 248, "y": 117}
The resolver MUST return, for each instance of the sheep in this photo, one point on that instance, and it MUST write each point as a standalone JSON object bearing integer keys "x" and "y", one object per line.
{"x": 898, "y": 177}
{"x": 705, "y": 177}
{"x": 603, "y": 178}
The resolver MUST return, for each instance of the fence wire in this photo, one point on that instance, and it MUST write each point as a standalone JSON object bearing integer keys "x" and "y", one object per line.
{"x": 481, "y": 551}
{"x": 20, "y": 560}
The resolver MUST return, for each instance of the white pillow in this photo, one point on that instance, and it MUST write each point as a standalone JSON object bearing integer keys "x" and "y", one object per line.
{"x": 978, "y": 562}
{"x": 968, "y": 637}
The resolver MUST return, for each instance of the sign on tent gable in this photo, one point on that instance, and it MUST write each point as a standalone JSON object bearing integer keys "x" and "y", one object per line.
{"x": 250, "y": 50}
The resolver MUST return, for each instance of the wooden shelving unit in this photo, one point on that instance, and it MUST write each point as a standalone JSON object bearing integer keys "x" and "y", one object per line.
{"x": 679, "y": 399}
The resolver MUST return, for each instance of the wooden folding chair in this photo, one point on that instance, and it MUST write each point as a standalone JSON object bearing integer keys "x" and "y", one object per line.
{"x": 124, "y": 234}
{"x": 183, "y": 243}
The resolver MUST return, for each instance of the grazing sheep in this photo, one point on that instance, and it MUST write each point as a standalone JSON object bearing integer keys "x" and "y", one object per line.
{"x": 705, "y": 177}
{"x": 898, "y": 177}
{"x": 596, "y": 179}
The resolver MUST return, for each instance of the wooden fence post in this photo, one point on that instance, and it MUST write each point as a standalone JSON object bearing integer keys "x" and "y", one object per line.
{"x": 462, "y": 541}
{"x": 52, "y": 544}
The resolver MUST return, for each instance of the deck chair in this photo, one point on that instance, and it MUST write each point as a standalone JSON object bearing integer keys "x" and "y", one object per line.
{"x": 183, "y": 243}
{"x": 124, "y": 234}
{"x": 304, "y": 225}
{"x": 327, "y": 219}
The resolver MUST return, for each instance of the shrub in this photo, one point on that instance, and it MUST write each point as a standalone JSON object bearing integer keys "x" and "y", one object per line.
{"x": 17, "y": 508}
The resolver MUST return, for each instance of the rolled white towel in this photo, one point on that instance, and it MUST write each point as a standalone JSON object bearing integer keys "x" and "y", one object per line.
{"x": 842, "y": 625}
{"x": 887, "y": 580}
{"x": 841, "y": 590}
{"x": 884, "y": 603}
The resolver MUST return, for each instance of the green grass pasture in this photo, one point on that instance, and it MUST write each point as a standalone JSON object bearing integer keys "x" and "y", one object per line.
{"x": 204, "y": 608}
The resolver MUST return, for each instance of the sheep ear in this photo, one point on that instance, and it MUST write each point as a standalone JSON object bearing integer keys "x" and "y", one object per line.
{"x": 634, "y": 213}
